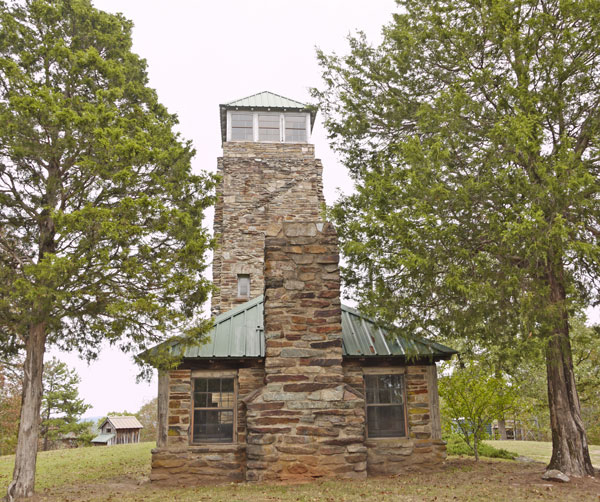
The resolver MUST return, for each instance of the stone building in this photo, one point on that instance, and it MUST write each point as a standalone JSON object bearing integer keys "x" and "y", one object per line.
{"x": 292, "y": 384}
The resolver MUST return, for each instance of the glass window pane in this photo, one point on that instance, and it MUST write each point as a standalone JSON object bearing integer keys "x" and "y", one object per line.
{"x": 241, "y": 134}
{"x": 200, "y": 400}
{"x": 295, "y": 136}
{"x": 371, "y": 386}
{"x": 268, "y": 135}
{"x": 214, "y": 385}
{"x": 269, "y": 120}
{"x": 295, "y": 120}
{"x": 385, "y": 421}
{"x": 212, "y": 425}
{"x": 243, "y": 285}
{"x": 200, "y": 384}
{"x": 385, "y": 387}
{"x": 227, "y": 400}
{"x": 239, "y": 119}
{"x": 397, "y": 389}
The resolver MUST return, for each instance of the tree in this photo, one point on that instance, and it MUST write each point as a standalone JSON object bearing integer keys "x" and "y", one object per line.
{"x": 61, "y": 406}
{"x": 472, "y": 135}
{"x": 101, "y": 235}
{"x": 472, "y": 398}
{"x": 148, "y": 417}
{"x": 10, "y": 406}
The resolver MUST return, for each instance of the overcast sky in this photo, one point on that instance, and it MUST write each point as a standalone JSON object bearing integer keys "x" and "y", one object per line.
{"x": 201, "y": 54}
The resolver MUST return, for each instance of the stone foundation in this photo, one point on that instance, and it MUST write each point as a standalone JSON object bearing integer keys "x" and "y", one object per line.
{"x": 199, "y": 464}
{"x": 386, "y": 457}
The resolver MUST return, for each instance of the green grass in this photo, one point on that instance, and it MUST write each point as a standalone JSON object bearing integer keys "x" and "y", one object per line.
{"x": 540, "y": 450}
{"x": 82, "y": 465}
{"x": 120, "y": 473}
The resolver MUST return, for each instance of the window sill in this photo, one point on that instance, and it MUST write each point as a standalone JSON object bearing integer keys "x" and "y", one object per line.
{"x": 390, "y": 442}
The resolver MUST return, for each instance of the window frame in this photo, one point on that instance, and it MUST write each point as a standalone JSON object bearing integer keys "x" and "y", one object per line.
{"x": 256, "y": 127}
{"x": 384, "y": 372}
{"x": 231, "y": 128}
{"x": 214, "y": 375}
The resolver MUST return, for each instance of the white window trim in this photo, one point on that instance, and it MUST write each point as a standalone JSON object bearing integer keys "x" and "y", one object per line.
{"x": 255, "y": 128}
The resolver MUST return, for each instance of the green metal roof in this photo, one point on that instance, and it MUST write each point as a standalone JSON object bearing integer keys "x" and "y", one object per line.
{"x": 239, "y": 333}
{"x": 103, "y": 438}
{"x": 265, "y": 100}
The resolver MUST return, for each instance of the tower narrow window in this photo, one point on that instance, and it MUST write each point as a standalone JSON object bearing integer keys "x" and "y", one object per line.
{"x": 268, "y": 127}
{"x": 243, "y": 285}
{"x": 241, "y": 126}
{"x": 295, "y": 128}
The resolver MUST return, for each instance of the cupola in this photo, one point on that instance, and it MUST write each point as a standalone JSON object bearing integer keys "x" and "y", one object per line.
{"x": 266, "y": 117}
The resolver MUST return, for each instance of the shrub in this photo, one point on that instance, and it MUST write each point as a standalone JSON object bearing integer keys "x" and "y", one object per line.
{"x": 457, "y": 446}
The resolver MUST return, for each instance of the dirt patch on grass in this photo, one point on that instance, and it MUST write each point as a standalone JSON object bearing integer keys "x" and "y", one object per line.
{"x": 458, "y": 479}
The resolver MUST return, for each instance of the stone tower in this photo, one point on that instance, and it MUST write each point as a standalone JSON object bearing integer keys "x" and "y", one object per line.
{"x": 269, "y": 175}
{"x": 305, "y": 422}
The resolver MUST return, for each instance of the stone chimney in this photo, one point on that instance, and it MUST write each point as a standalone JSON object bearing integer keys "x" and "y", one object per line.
{"x": 305, "y": 423}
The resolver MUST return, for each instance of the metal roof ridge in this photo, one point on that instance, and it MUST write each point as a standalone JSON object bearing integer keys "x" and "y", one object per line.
{"x": 232, "y": 103}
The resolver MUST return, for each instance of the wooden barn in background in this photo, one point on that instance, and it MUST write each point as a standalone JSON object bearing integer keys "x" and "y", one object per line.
{"x": 118, "y": 430}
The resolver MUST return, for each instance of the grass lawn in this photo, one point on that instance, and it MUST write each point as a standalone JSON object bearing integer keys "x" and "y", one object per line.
{"x": 83, "y": 465}
{"x": 539, "y": 450}
{"x": 120, "y": 473}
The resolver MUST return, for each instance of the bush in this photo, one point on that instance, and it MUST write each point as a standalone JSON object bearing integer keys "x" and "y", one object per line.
{"x": 457, "y": 446}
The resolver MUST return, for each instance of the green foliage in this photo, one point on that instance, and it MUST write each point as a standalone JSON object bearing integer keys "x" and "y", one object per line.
{"x": 101, "y": 235}
{"x": 11, "y": 381}
{"x": 471, "y": 398}
{"x": 472, "y": 136}
{"x": 586, "y": 358}
{"x": 148, "y": 417}
{"x": 455, "y": 445}
{"x": 61, "y": 405}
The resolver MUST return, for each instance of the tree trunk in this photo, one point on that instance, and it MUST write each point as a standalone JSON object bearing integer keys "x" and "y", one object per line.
{"x": 162, "y": 409}
{"x": 24, "y": 473}
{"x": 475, "y": 447}
{"x": 570, "y": 453}
{"x": 502, "y": 429}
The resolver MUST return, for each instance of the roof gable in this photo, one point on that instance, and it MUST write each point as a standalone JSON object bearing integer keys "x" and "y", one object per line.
{"x": 123, "y": 422}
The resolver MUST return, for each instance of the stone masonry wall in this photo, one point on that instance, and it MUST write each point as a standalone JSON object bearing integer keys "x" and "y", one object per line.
{"x": 305, "y": 422}
{"x": 393, "y": 455}
{"x": 262, "y": 185}
{"x": 180, "y": 462}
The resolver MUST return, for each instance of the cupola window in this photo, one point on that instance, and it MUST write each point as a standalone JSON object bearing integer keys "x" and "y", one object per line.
{"x": 241, "y": 126}
{"x": 268, "y": 127}
{"x": 295, "y": 128}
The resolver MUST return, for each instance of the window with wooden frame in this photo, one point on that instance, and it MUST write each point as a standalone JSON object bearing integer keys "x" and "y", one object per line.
{"x": 214, "y": 406}
{"x": 386, "y": 414}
